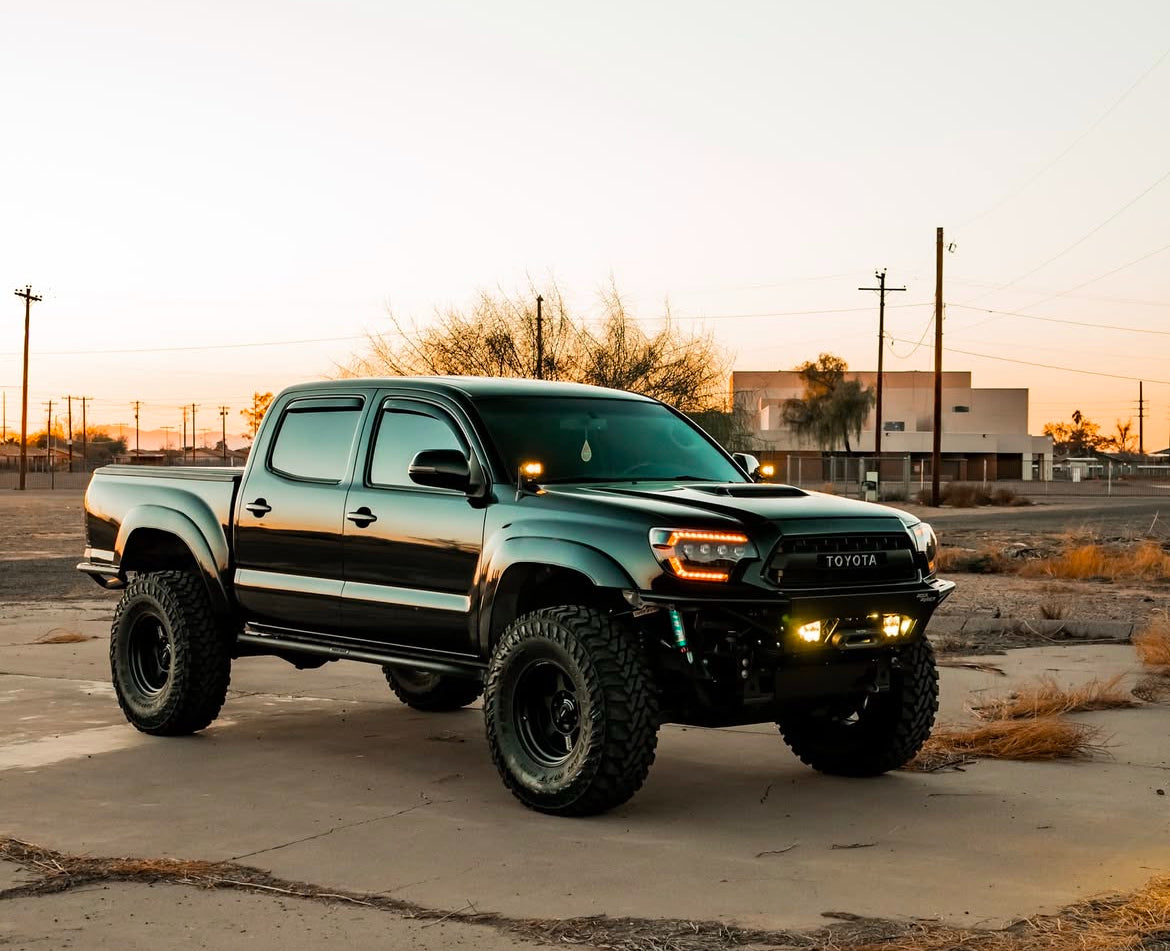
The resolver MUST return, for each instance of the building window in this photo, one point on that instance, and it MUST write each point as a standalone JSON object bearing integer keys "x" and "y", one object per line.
{"x": 894, "y": 426}
{"x": 960, "y": 409}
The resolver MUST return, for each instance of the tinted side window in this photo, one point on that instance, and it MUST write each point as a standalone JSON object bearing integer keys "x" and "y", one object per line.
{"x": 401, "y": 435}
{"x": 315, "y": 443}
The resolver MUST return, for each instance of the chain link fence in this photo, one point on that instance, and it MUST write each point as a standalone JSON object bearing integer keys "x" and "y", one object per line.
{"x": 908, "y": 478}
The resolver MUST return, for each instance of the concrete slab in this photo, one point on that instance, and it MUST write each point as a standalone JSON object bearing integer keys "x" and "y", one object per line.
{"x": 123, "y": 917}
{"x": 320, "y": 776}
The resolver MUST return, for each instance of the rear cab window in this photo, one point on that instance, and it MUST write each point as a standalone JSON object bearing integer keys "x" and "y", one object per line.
{"x": 315, "y": 438}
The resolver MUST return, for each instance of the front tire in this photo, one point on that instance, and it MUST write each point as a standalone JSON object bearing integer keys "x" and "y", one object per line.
{"x": 169, "y": 660}
{"x": 429, "y": 692}
{"x": 571, "y": 711}
{"x": 873, "y": 733}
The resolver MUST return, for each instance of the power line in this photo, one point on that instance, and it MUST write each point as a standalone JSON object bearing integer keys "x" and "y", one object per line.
{"x": 1081, "y": 240}
{"x": 1101, "y": 277}
{"x": 1049, "y": 366}
{"x": 1060, "y": 320}
{"x": 220, "y": 346}
{"x": 1072, "y": 145}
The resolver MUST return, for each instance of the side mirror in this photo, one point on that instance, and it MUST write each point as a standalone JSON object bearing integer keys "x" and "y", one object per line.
{"x": 441, "y": 469}
{"x": 747, "y": 462}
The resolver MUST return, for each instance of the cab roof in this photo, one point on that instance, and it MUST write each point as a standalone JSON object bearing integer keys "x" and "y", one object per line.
{"x": 475, "y": 387}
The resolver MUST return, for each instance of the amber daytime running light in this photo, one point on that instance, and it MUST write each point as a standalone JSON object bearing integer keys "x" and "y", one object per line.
{"x": 696, "y": 555}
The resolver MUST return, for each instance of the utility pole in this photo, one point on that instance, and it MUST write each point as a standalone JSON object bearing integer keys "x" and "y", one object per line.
{"x": 69, "y": 417}
{"x": 539, "y": 338}
{"x": 223, "y": 415}
{"x": 936, "y": 454}
{"x": 193, "y": 436}
{"x": 84, "y": 433}
{"x": 1141, "y": 421}
{"x": 877, "y": 429}
{"x": 136, "y": 404}
{"x": 166, "y": 439}
{"x": 183, "y": 444}
{"x": 29, "y": 297}
{"x": 49, "y": 444}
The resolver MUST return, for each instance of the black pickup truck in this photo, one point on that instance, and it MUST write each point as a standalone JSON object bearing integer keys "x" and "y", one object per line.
{"x": 589, "y": 560}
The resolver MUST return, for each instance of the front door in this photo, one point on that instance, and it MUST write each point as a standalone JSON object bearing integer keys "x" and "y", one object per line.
{"x": 411, "y": 551}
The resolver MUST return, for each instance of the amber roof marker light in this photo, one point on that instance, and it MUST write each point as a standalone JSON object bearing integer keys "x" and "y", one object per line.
{"x": 527, "y": 477}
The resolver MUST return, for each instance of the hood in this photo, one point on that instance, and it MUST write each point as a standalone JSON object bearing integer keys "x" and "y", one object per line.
{"x": 748, "y": 503}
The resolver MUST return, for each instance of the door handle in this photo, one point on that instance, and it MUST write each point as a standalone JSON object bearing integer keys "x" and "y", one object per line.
{"x": 362, "y": 517}
{"x": 259, "y": 508}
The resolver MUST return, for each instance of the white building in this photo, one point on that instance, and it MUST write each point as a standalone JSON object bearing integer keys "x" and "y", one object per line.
{"x": 984, "y": 431}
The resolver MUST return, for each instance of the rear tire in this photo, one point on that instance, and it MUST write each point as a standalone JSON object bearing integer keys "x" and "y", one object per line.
{"x": 430, "y": 692}
{"x": 571, "y": 711}
{"x": 169, "y": 660}
{"x": 873, "y": 733}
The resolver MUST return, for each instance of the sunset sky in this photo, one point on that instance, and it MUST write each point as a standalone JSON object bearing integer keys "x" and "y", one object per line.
{"x": 250, "y": 185}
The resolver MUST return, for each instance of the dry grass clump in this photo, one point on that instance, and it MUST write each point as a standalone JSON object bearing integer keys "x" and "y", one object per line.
{"x": 1146, "y": 561}
{"x": 1137, "y": 922}
{"x": 1153, "y": 689}
{"x": 986, "y": 561}
{"x": 61, "y": 636}
{"x": 1153, "y": 643}
{"x": 1046, "y": 698}
{"x": 1041, "y": 738}
{"x": 961, "y": 495}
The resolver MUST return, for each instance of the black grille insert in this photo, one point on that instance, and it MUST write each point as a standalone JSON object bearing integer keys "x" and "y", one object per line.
{"x": 803, "y": 561}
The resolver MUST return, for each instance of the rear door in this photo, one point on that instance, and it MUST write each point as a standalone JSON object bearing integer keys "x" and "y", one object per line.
{"x": 291, "y": 511}
{"x": 411, "y": 551}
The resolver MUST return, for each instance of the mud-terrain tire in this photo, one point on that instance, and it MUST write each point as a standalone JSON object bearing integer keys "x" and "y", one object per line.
{"x": 877, "y": 732}
{"x": 571, "y": 711}
{"x": 431, "y": 693}
{"x": 169, "y": 659}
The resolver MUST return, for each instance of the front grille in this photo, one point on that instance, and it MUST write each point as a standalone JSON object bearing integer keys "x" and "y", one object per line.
{"x": 805, "y": 561}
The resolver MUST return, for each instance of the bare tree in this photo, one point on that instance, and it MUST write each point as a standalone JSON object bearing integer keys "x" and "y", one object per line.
{"x": 497, "y": 337}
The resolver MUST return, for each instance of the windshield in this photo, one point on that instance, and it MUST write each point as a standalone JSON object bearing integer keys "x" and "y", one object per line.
{"x": 591, "y": 439}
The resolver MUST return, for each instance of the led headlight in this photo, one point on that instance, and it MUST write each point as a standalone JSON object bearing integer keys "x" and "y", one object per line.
{"x": 927, "y": 543}
{"x": 697, "y": 555}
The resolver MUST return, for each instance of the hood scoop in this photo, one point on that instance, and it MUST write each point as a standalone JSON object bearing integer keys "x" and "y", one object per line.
{"x": 751, "y": 490}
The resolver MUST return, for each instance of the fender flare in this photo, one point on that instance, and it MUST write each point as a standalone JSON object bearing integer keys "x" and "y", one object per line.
{"x": 210, "y": 553}
{"x": 599, "y": 568}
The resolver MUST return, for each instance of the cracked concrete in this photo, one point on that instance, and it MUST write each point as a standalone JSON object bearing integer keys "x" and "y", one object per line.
{"x": 326, "y": 778}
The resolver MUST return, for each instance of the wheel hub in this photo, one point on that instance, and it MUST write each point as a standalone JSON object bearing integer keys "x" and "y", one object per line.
{"x": 564, "y": 712}
{"x": 547, "y": 713}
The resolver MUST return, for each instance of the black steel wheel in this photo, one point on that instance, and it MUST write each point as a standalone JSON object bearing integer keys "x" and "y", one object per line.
{"x": 571, "y": 711}
{"x": 169, "y": 660}
{"x": 870, "y": 734}
{"x": 431, "y": 692}
{"x": 547, "y": 712}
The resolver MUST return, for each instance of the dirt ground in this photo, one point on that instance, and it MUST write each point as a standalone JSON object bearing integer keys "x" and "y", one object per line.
{"x": 42, "y": 538}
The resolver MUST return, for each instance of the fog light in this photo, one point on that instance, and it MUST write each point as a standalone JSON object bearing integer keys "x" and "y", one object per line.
{"x": 810, "y": 633}
{"x": 907, "y": 623}
{"x": 894, "y": 624}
